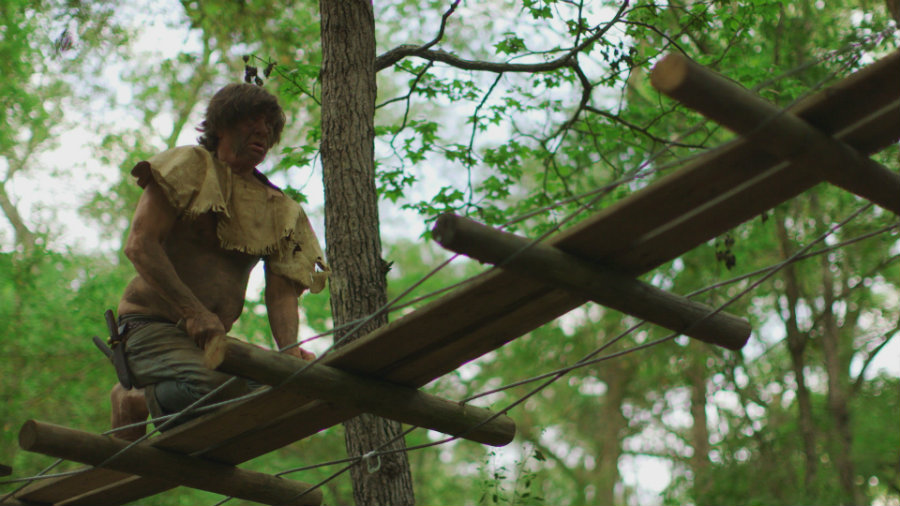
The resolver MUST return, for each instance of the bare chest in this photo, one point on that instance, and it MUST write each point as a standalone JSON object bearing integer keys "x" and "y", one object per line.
{"x": 194, "y": 249}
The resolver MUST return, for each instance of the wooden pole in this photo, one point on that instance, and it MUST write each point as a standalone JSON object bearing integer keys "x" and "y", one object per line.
{"x": 379, "y": 397}
{"x": 145, "y": 460}
{"x": 602, "y": 285}
{"x": 774, "y": 130}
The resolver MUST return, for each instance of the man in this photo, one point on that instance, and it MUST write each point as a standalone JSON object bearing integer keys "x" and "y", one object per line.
{"x": 206, "y": 217}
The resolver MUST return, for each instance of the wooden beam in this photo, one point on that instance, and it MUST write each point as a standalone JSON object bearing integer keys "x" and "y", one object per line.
{"x": 66, "y": 488}
{"x": 594, "y": 282}
{"x": 774, "y": 130}
{"x": 852, "y": 99}
{"x": 371, "y": 395}
{"x": 142, "y": 459}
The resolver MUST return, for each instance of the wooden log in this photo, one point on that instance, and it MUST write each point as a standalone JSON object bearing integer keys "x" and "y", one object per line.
{"x": 853, "y": 98}
{"x": 145, "y": 460}
{"x": 599, "y": 284}
{"x": 123, "y": 491}
{"x": 868, "y": 135}
{"x": 214, "y": 351}
{"x": 379, "y": 397}
{"x": 774, "y": 130}
{"x": 55, "y": 490}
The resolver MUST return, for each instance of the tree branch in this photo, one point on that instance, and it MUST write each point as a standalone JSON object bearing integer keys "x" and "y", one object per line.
{"x": 196, "y": 82}
{"x": 23, "y": 235}
{"x": 392, "y": 56}
{"x": 650, "y": 27}
{"x": 642, "y": 130}
{"x": 400, "y": 52}
{"x": 440, "y": 34}
{"x": 478, "y": 108}
{"x": 408, "y": 96}
{"x": 862, "y": 372}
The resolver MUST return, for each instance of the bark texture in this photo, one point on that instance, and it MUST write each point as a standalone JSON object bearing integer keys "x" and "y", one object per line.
{"x": 796, "y": 342}
{"x": 611, "y": 430}
{"x": 697, "y": 376}
{"x": 358, "y": 285}
{"x": 837, "y": 364}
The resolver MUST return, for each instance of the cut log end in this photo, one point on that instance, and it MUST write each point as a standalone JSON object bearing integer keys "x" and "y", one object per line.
{"x": 214, "y": 352}
{"x": 444, "y": 229}
{"x": 670, "y": 73}
{"x": 734, "y": 337}
{"x": 724, "y": 330}
{"x": 27, "y": 435}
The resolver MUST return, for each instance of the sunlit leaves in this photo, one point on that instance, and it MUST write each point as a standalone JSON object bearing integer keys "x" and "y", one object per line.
{"x": 393, "y": 184}
{"x": 539, "y": 9}
{"x": 510, "y": 45}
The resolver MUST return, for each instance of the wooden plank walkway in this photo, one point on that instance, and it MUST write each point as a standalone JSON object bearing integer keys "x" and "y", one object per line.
{"x": 710, "y": 195}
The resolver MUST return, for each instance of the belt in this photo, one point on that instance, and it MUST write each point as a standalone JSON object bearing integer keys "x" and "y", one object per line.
{"x": 118, "y": 335}
{"x": 129, "y": 322}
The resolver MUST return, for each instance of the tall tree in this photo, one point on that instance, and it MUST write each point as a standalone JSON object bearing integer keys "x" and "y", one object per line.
{"x": 358, "y": 285}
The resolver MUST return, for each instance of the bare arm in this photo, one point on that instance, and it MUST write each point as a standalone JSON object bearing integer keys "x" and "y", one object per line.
{"x": 153, "y": 220}
{"x": 281, "y": 304}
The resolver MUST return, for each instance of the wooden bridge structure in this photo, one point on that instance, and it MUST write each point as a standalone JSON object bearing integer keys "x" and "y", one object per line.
{"x": 778, "y": 154}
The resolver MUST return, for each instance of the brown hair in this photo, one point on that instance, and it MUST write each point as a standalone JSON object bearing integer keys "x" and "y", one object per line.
{"x": 234, "y": 103}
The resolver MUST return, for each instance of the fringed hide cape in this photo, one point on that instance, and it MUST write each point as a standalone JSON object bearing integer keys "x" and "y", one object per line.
{"x": 251, "y": 219}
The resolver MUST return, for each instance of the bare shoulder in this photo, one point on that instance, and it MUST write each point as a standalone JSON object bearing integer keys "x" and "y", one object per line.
{"x": 154, "y": 215}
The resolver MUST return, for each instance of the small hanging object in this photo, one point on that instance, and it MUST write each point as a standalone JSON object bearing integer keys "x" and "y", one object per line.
{"x": 250, "y": 73}
{"x": 372, "y": 467}
{"x": 63, "y": 43}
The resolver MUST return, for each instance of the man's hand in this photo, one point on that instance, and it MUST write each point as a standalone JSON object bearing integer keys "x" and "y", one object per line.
{"x": 203, "y": 326}
{"x": 300, "y": 353}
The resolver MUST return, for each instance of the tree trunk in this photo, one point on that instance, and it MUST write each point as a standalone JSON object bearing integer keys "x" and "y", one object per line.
{"x": 796, "y": 341}
{"x": 838, "y": 392}
{"x": 24, "y": 237}
{"x": 697, "y": 377}
{"x": 353, "y": 245}
{"x": 616, "y": 374}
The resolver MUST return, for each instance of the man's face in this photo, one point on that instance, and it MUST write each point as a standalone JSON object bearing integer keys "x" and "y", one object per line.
{"x": 247, "y": 142}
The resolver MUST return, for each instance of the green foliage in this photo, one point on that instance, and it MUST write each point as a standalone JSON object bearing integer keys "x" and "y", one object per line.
{"x": 511, "y": 484}
{"x": 51, "y": 306}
